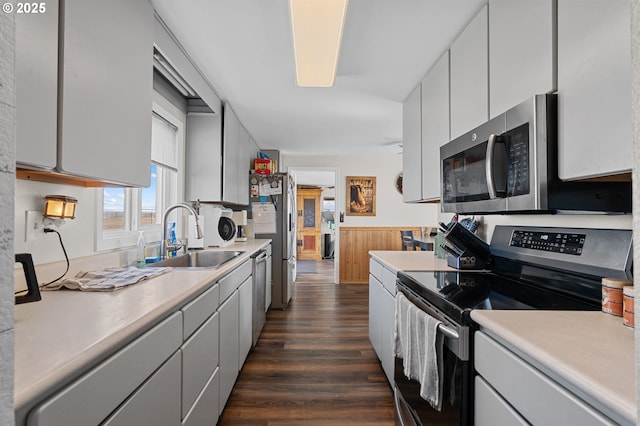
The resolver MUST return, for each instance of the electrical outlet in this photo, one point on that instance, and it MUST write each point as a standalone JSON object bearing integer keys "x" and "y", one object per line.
{"x": 33, "y": 226}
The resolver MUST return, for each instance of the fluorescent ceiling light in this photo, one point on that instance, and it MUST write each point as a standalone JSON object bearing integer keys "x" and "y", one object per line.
{"x": 317, "y": 31}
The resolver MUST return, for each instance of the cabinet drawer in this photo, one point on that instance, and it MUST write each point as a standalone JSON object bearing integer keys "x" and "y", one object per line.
{"x": 205, "y": 410}
{"x": 231, "y": 282}
{"x": 389, "y": 280}
{"x": 105, "y": 387}
{"x": 199, "y": 309}
{"x": 541, "y": 401}
{"x": 157, "y": 402}
{"x": 491, "y": 410}
{"x": 375, "y": 269}
{"x": 199, "y": 361}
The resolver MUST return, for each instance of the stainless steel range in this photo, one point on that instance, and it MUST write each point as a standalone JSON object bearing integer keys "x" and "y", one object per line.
{"x": 532, "y": 268}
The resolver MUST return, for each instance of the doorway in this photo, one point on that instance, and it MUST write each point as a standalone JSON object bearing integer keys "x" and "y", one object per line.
{"x": 316, "y": 228}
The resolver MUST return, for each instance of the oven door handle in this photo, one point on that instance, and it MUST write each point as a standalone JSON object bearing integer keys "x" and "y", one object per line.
{"x": 450, "y": 333}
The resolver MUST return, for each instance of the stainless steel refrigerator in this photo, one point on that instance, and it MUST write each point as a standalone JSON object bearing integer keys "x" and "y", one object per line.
{"x": 272, "y": 206}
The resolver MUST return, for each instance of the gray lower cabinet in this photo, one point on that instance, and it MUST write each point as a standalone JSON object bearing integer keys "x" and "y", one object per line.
{"x": 200, "y": 358}
{"x": 104, "y": 388}
{"x": 233, "y": 293}
{"x": 156, "y": 402}
{"x": 520, "y": 393}
{"x": 267, "y": 296}
{"x": 245, "y": 320}
{"x": 199, "y": 363}
{"x": 206, "y": 410}
{"x": 180, "y": 372}
{"x": 229, "y": 346}
{"x": 382, "y": 289}
{"x": 491, "y": 409}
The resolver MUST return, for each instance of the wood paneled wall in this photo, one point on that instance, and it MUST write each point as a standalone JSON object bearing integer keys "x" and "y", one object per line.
{"x": 355, "y": 244}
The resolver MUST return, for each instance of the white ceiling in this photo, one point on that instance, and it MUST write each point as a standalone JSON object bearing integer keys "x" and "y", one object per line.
{"x": 245, "y": 49}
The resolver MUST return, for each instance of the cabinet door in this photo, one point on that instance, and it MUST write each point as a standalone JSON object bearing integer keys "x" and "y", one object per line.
{"x": 267, "y": 301}
{"x": 242, "y": 170}
{"x": 235, "y": 178}
{"x": 37, "y": 87}
{"x": 101, "y": 390}
{"x": 470, "y": 76}
{"x": 203, "y": 177}
{"x": 388, "y": 314}
{"x": 199, "y": 361}
{"x": 375, "y": 315}
{"x": 435, "y": 125}
{"x": 107, "y": 91}
{"x": 521, "y": 49}
{"x": 412, "y": 148}
{"x": 228, "y": 347}
{"x": 491, "y": 410}
{"x": 245, "y": 317}
{"x": 553, "y": 404}
{"x": 157, "y": 402}
{"x": 594, "y": 88}
{"x": 206, "y": 409}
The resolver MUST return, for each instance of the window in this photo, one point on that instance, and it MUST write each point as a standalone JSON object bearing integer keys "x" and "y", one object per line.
{"x": 122, "y": 212}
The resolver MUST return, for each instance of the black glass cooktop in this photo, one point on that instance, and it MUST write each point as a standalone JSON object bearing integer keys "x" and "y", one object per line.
{"x": 456, "y": 293}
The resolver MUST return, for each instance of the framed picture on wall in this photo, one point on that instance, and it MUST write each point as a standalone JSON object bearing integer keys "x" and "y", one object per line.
{"x": 361, "y": 196}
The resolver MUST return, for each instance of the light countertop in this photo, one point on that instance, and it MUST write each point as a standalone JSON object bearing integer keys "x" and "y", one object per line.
{"x": 68, "y": 332}
{"x": 590, "y": 353}
{"x": 411, "y": 260}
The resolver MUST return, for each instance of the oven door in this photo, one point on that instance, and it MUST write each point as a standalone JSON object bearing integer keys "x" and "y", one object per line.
{"x": 457, "y": 405}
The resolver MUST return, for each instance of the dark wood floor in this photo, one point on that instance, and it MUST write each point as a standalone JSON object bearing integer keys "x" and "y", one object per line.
{"x": 315, "y": 271}
{"x": 313, "y": 365}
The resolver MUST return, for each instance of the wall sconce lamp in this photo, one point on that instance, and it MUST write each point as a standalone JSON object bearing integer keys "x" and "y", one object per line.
{"x": 57, "y": 208}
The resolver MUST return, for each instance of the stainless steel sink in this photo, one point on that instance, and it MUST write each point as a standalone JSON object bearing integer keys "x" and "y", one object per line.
{"x": 198, "y": 259}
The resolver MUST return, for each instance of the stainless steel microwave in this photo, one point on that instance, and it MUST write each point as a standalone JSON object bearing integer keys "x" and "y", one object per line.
{"x": 509, "y": 164}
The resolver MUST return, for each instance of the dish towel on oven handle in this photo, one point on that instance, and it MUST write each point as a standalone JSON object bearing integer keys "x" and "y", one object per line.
{"x": 420, "y": 345}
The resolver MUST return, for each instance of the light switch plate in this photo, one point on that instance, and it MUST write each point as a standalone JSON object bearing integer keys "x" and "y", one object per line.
{"x": 33, "y": 226}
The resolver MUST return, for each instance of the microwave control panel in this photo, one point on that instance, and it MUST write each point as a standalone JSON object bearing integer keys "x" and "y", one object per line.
{"x": 518, "y": 173}
{"x": 549, "y": 241}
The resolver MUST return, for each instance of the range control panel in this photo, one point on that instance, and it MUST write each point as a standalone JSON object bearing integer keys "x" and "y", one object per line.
{"x": 549, "y": 241}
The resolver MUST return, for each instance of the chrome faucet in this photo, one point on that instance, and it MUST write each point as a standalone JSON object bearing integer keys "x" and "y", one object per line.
{"x": 165, "y": 246}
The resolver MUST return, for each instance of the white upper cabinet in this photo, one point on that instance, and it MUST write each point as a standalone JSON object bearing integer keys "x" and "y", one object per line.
{"x": 203, "y": 176}
{"x": 231, "y": 137}
{"x": 37, "y": 87}
{"x": 435, "y": 125}
{"x": 235, "y": 159}
{"x": 219, "y": 154}
{"x": 594, "y": 88}
{"x": 470, "y": 76}
{"x": 521, "y": 52}
{"x": 107, "y": 91}
{"x": 412, "y": 147}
